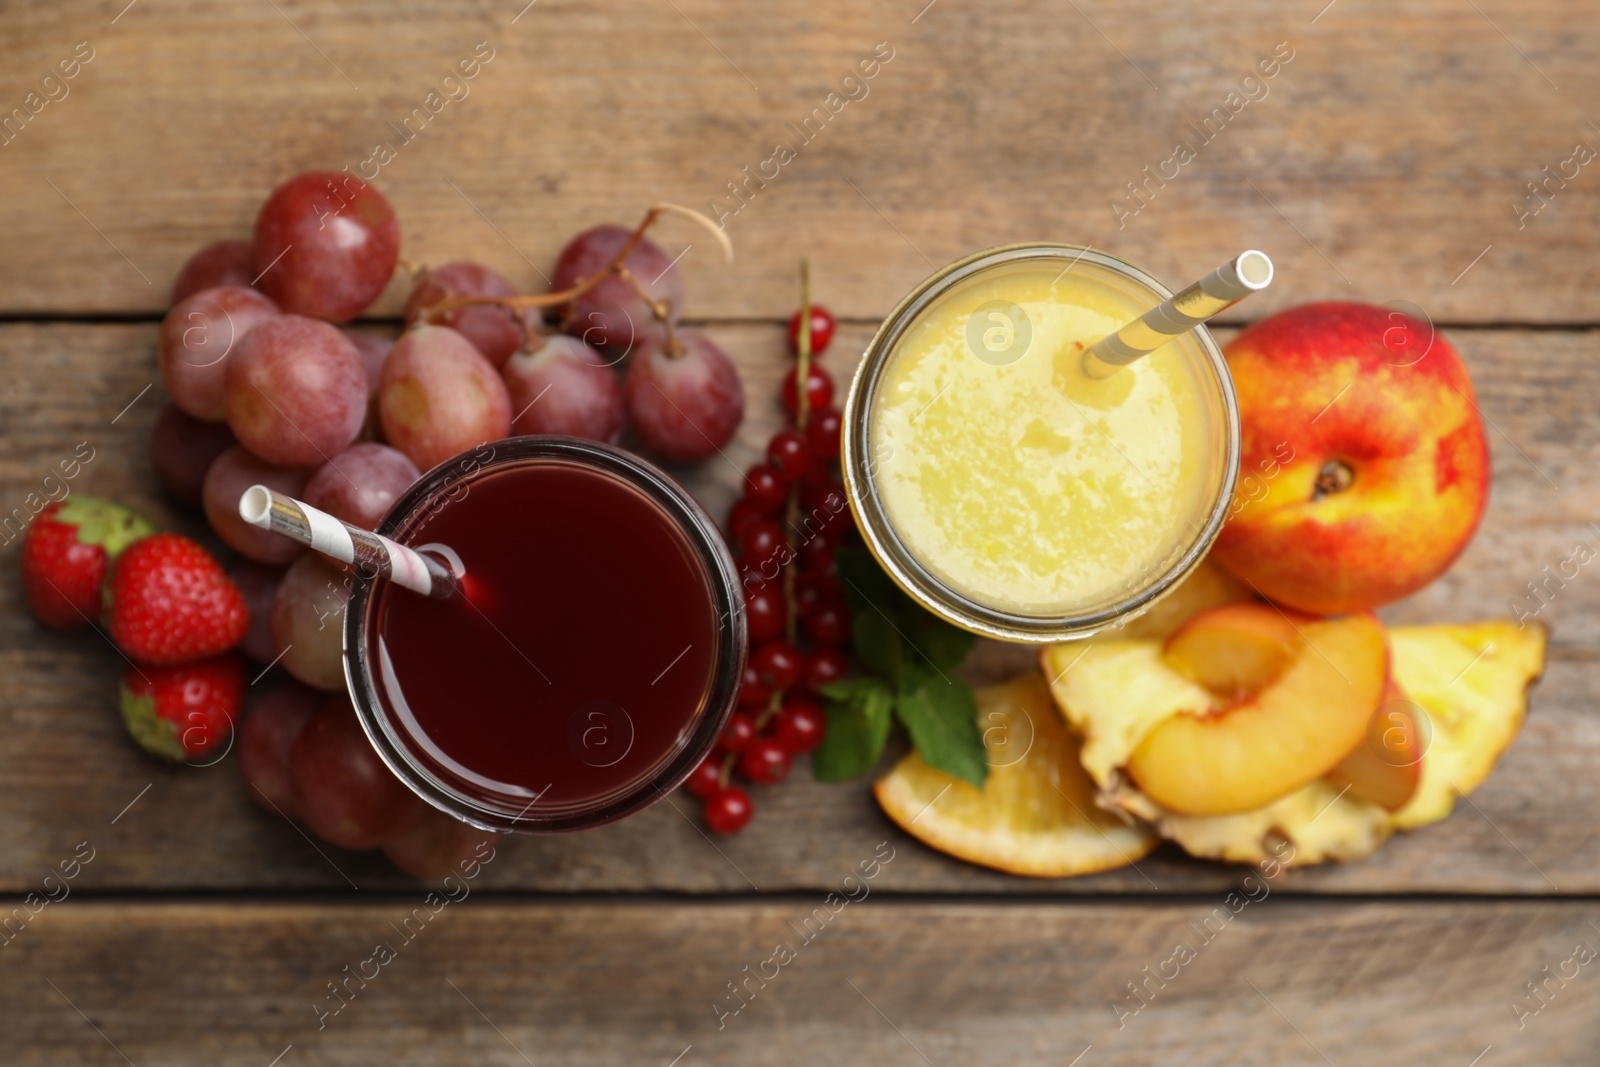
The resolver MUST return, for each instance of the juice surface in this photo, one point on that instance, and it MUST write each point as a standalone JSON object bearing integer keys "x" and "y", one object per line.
{"x": 1015, "y": 479}
{"x": 579, "y": 657}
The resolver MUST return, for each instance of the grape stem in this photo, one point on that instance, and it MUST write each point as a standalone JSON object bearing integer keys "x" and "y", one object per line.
{"x": 583, "y": 285}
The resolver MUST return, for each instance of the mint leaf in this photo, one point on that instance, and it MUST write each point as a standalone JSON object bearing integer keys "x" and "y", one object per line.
{"x": 877, "y": 642}
{"x": 858, "y": 725}
{"x": 866, "y": 583}
{"x": 938, "y": 642}
{"x": 942, "y": 718}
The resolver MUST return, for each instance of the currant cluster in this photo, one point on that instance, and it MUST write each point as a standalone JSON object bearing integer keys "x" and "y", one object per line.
{"x": 784, "y": 531}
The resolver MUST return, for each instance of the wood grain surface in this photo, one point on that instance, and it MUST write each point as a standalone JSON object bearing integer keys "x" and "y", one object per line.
{"x": 1528, "y": 830}
{"x": 1265, "y": 982}
{"x": 1378, "y": 162}
{"x": 1436, "y": 156}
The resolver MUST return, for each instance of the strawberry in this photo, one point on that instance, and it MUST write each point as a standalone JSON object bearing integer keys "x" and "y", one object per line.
{"x": 179, "y": 713}
{"x": 168, "y": 601}
{"x": 65, "y": 553}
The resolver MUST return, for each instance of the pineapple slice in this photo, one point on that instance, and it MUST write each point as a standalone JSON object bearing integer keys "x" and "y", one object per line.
{"x": 1035, "y": 815}
{"x": 1470, "y": 680}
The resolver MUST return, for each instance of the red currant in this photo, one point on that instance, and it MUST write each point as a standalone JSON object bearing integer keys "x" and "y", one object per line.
{"x": 801, "y": 724}
{"x": 816, "y": 551}
{"x": 823, "y": 431}
{"x": 824, "y": 666}
{"x": 823, "y": 506}
{"x": 822, "y": 324}
{"x": 778, "y": 665}
{"x": 766, "y": 488}
{"x": 764, "y": 612}
{"x": 788, "y": 455}
{"x": 738, "y": 733}
{"x": 766, "y": 761}
{"x": 819, "y": 390}
{"x": 753, "y": 692}
{"x": 742, "y": 514}
{"x": 828, "y": 624}
{"x": 762, "y": 547}
{"x": 728, "y": 810}
{"x": 706, "y": 778}
{"x": 816, "y": 586}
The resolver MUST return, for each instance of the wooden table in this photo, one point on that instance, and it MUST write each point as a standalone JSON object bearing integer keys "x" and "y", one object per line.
{"x": 1387, "y": 160}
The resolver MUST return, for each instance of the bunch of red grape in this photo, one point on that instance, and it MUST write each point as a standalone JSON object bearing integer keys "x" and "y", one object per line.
{"x": 785, "y": 529}
{"x": 266, "y": 388}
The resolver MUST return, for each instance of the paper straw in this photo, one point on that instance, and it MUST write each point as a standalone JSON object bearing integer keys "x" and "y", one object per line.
{"x": 371, "y": 553}
{"x": 1224, "y": 287}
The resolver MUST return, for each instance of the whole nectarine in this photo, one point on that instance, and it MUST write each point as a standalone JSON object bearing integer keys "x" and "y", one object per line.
{"x": 1364, "y": 468}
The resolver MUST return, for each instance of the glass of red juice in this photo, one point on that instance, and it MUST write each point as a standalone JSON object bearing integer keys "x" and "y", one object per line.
{"x": 588, "y": 661}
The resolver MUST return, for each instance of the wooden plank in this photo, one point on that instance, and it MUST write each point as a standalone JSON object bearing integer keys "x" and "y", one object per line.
{"x": 990, "y": 124}
{"x": 880, "y": 981}
{"x": 66, "y": 771}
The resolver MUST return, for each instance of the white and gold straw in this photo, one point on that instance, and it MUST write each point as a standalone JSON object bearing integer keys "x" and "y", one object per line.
{"x": 1246, "y": 273}
{"x": 370, "y": 553}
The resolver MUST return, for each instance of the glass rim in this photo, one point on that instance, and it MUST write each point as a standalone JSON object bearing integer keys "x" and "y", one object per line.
{"x": 902, "y": 566}
{"x": 722, "y": 579}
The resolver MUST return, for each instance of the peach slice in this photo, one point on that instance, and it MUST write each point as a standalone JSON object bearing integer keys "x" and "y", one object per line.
{"x": 1236, "y": 650}
{"x": 1293, "y": 731}
{"x": 1385, "y": 767}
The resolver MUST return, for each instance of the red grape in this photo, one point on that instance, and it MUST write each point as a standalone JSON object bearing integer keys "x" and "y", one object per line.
{"x": 766, "y": 760}
{"x": 564, "y": 387}
{"x": 440, "y": 396}
{"x": 326, "y": 244}
{"x": 764, "y": 612}
{"x": 764, "y": 489}
{"x": 613, "y": 316}
{"x": 493, "y": 330}
{"x": 728, "y": 810}
{"x": 788, "y": 455}
{"x": 373, "y": 348}
{"x": 233, "y": 472}
{"x": 706, "y": 778}
{"x": 439, "y": 846}
{"x": 819, "y": 390}
{"x": 342, "y": 790}
{"x": 737, "y": 734}
{"x": 801, "y": 725}
{"x": 359, "y": 484}
{"x": 822, "y": 324}
{"x": 182, "y": 449}
{"x": 265, "y": 739}
{"x": 308, "y": 621}
{"x": 258, "y": 584}
{"x": 823, "y": 667}
{"x": 685, "y": 407}
{"x": 828, "y": 624}
{"x": 197, "y": 337}
{"x": 223, "y": 263}
{"x": 823, "y": 430}
{"x": 296, "y": 391}
{"x": 778, "y": 664}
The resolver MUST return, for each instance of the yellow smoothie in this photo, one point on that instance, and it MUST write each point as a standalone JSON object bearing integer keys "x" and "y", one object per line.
{"x": 1016, "y": 480}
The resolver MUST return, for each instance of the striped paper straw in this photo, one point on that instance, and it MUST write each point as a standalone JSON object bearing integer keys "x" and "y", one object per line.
{"x": 1224, "y": 287}
{"x": 371, "y": 553}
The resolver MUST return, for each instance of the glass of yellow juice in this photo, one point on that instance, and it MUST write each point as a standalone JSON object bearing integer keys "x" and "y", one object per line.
{"x": 1006, "y": 490}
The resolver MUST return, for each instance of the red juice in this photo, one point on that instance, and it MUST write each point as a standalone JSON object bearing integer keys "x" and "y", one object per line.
{"x": 579, "y": 657}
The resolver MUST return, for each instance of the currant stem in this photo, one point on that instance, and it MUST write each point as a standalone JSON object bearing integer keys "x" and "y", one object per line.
{"x": 802, "y": 409}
